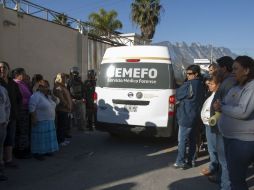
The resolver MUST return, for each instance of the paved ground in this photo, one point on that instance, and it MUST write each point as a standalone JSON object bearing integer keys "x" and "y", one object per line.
{"x": 96, "y": 161}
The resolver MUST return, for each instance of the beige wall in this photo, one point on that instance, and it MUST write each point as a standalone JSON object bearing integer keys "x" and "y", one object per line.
{"x": 96, "y": 51}
{"x": 40, "y": 46}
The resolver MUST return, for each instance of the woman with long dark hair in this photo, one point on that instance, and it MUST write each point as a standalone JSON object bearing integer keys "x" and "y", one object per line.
{"x": 236, "y": 123}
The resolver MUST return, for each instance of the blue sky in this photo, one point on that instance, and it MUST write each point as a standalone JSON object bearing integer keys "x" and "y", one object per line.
{"x": 227, "y": 23}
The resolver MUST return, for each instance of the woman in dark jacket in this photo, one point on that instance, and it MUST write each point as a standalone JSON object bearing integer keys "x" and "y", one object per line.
{"x": 22, "y": 144}
{"x": 15, "y": 100}
{"x": 190, "y": 97}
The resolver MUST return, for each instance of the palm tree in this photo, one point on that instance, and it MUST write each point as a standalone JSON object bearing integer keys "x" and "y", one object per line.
{"x": 146, "y": 14}
{"x": 61, "y": 19}
{"x": 106, "y": 22}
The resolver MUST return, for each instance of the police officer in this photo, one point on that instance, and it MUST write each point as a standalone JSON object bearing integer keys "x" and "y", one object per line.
{"x": 89, "y": 85}
{"x": 76, "y": 88}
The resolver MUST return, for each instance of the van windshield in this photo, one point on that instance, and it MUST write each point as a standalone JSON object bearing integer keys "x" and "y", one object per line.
{"x": 136, "y": 75}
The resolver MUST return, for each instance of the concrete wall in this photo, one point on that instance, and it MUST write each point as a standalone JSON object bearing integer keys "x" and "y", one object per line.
{"x": 40, "y": 46}
{"x": 96, "y": 51}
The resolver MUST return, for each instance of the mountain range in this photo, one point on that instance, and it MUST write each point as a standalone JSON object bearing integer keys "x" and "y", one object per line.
{"x": 183, "y": 54}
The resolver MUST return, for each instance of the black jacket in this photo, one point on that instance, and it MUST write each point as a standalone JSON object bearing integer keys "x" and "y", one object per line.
{"x": 191, "y": 98}
{"x": 14, "y": 96}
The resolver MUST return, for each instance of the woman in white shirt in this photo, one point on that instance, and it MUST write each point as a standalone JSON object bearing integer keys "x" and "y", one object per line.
{"x": 213, "y": 85}
{"x": 42, "y": 108}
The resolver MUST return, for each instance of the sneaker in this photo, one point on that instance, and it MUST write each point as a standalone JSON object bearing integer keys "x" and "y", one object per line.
{"x": 181, "y": 166}
{"x": 10, "y": 164}
{"x": 206, "y": 172}
{"x": 62, "y": 144}
{"x": 67, "y": 142}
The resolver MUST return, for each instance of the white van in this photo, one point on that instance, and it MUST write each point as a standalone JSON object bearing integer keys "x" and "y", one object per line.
{"x": 135, "y": 91}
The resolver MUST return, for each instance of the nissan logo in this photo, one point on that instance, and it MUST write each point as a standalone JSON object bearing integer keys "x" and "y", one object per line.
{"x": 130, "y": 94}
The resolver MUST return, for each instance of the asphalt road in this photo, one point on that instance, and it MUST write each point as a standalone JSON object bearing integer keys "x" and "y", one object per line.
{"x": 97, "y": 161}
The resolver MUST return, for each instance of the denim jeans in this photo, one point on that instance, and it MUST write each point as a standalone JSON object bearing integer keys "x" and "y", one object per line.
{"x": 211, "y": 144}
{"x": 239, "y": 155}
{"x": 186, "y": 135}
{"x": 225, "y": 182}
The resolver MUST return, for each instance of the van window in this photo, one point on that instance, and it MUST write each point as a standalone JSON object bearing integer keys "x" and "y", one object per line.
{"x": 136, "y": 75}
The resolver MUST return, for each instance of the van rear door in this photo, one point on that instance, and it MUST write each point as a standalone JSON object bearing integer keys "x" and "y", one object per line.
{"x": 135, "y": 93}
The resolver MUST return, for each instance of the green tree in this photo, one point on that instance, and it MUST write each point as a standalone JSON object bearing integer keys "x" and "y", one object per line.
{"x": 106, "y": 22}
{"x": 146, "y": 14}
{"x": 61, "y": 19}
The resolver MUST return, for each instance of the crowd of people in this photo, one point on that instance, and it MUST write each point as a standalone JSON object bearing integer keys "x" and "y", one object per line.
{"x": 36, "y": 120}
{"x": 227, "y": 115}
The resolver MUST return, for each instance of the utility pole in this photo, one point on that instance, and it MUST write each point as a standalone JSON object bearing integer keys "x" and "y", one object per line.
{"x": 211, "y": 58}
